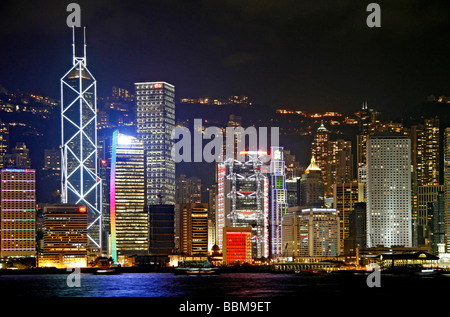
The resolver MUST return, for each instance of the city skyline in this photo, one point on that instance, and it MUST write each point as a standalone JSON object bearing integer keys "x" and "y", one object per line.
{"x": 355, "y": 181}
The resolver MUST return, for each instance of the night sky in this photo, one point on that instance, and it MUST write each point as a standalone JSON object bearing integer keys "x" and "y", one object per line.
{"x": 313, "y": 55}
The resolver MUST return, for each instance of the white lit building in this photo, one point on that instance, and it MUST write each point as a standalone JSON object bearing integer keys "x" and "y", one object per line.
{"x": 155, "y": 103}
{"x": 389, "y": 190}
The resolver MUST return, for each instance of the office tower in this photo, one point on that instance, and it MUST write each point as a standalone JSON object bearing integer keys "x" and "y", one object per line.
{"x": 279, "y": 204}
{"x": 19, "y": 157}
{"x": 345, "y": 196}
{"x": 425, "y": 195}
{"x": 389, "y": 190}
{"x": 436, "y": 223}
{"x": 194, "y": 229}
{"x": 362, "y": 183}
{"x": 188, "y": 190}
{"x": 212, "y": 233}
{"x": 426, "y": 152}
{"x": 161, "y": 232}
{"x": 155, "y": 104}
{"x": 311, "y": 186}
{"x": 237, "y": 245}
{"x": 368, "y": 124}
{"x": 447, "y": 186}
{"x": 320, "y": 150}
{"x": 18, "y": 213}
{"x": 339, "y": 168}
{"x": 293, "y": 167}
{"x": 128, "y": 216}
{"x": 293, "y": 191}
{"x": 319, "y": 232}
{"x": 65, "y": 236}
{"x": 243, "y": 200}
{"x": 52, "y": 159}
{"x": 79, "y": 165}
{"x": 4, "y": 141}
{"x": 357, "y": 229}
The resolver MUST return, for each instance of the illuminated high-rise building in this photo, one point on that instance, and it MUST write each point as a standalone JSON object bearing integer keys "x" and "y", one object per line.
{"x": 237, "y": 245}
{"x": 188, "y": 190}
{"x": 368, "y": 124}
{"x": 427, "y": 194}
{"x": 279, "y": 204}
{"x": 18, "y": 213}
{"x": 311, "y": 232}
{"x": 426, "y": 152}
{"x": 345, "y": 197}
{"x": 389, "y": 190}
{"x": 311, "y": 186}
{"x": 80, "y": 181}
{"x": 320, "y": 150}
{"x": 155, "y": 104}
{"x": 194, "y": 229}
{"x": 19, "y": 157}
{"x": 4, "y": 141}
{"x": 243, "y": 200}
{"x": 339, "y": 167}
{"x": 447, "y": 186}
{"x": 128, "y": 216}
{"x": 65, "y": 236}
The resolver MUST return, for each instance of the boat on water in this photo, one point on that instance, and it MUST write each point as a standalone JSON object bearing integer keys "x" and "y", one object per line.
{"x": 106, "y": 271}
{"x": 197, "y": 270}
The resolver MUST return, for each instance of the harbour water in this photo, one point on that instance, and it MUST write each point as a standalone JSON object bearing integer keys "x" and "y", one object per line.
{"x": 172, "y": 290}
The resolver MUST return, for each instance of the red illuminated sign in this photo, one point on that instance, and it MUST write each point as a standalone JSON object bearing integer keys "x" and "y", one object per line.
{"x": 82, "y": 209}
{"x": 157, "y": 86}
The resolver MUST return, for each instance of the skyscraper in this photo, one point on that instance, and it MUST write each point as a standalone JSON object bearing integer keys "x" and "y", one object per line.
{"x": 389, "y": 190}
{"x": 243, "y": 200}
{"x": 4, "y": 141}
{"x": 279, "y": 204}
{"x": 155, "y": 104}
{"x": 447, "y": 186}
{"x": 345, "y": 196}
{"x": 194, "y": 229}
{"x": 128, "y": 216}
{"x": 18, "y": 212}
{"x": 311, "y": 186}
{"x": 80, "y": 182}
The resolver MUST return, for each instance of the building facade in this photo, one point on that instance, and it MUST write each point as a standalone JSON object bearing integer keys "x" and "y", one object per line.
{"x": 65, "y": 236}
{"x": 18, "y": 213}
{"x": 194, "y": 229}
{"x": 243, "y": 200}
{"x": 128, "y": 211}
{"x": 155, "y": 104}
{"x": 389, "y": 190}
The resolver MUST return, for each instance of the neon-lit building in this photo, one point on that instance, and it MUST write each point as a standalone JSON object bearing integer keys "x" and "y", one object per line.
{"x": 79, "y": 171}
{"x": 243, "y": 199}
{"x": 155, "y": 103}
{"x": 237, "y": 245}
{"x": 128, "y": 212}
{"x": 65, "y": 236}
{"x": 18, "y": 213}
{"x": 279, "y": 204}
